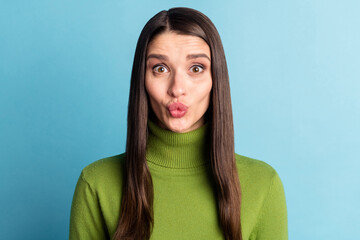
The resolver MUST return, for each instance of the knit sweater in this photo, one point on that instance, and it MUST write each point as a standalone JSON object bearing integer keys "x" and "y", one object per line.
{"x": 184, "y": 197}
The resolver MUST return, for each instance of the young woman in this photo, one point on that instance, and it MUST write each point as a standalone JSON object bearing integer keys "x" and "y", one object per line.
{"x": 179, "y": 177}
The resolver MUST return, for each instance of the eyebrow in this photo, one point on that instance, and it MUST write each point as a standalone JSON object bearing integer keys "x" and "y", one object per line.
{"x": 158, "y": 56}
{"x": 190, "y": 56}
{"x": 198, "y": 55}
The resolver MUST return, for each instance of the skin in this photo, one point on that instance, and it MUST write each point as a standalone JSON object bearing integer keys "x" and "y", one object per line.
{"x": 178, "y": 69}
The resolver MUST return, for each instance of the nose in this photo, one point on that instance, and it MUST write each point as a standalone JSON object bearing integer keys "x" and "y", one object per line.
{"x": 177, "y": 86}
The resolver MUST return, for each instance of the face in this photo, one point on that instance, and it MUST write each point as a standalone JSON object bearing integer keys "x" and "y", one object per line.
{"x": 178, "y": 80}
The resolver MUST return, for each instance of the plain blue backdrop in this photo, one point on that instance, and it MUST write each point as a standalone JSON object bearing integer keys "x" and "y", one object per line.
{"x": 295, "y": 79}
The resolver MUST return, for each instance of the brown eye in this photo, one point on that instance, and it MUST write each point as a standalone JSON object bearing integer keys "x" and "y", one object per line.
{"x": 159, "y": 69}
{"x": 196, "y": 69}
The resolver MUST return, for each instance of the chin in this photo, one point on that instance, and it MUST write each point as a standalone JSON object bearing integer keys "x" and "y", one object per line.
{"x": 184, "y": 126}
{"x": 178, "y": 126}
{"x": 178, "y": 129}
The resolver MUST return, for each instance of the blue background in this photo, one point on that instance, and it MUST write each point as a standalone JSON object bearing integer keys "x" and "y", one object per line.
{"x": 64, "y": 80}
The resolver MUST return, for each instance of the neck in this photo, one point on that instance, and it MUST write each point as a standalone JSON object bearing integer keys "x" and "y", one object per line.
{"x": 178, "y": 150}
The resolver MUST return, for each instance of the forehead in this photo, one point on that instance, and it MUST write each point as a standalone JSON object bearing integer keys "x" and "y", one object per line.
{"x": 170, "y": 41}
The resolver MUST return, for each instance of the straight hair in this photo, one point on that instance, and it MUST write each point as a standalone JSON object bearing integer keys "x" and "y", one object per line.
{"x": 136, "y": 213}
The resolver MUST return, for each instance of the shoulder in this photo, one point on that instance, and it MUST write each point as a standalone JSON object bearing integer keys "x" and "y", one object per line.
{"x": 104, "y": 172}
{"x": 248, "y": 167}
{"x": 96, "y": 200}
{"x": 256, "y": 177}
{"x": 263, "y": 202}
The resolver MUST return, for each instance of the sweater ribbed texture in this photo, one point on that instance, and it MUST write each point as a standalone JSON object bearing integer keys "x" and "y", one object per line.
{"x": 185, "y": 205}
{"x": 178, "y": 150}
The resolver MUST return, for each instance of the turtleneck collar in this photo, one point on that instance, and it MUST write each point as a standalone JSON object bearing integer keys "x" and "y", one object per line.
{"x": 178, "y": 150}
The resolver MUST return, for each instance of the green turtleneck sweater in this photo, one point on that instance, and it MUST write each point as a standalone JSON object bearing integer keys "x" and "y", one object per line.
{"x": 184, "y": 198}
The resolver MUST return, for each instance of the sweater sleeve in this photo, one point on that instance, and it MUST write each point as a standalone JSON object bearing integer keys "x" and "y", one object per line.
{"x": 86, "y": 220}
{"x": 272, "y": 224}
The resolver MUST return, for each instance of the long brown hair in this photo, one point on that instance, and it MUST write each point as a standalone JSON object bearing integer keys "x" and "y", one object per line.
{"x": 136, "y": 217}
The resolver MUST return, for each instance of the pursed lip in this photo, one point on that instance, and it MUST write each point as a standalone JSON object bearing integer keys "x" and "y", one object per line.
{"x": 177, "y": 109}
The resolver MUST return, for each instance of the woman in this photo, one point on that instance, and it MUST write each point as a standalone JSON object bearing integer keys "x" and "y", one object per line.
{"x": 179, "y": 178}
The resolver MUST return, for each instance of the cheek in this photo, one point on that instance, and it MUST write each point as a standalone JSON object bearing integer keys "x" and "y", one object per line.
{"x": 154, "y": 95}
{"x": 205, "y": 91}
{"x": 156, "y": 88}
{"x": 149, "y": 86}
{"x": 203, "y": 99}
{"x": 207, "y": 95}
